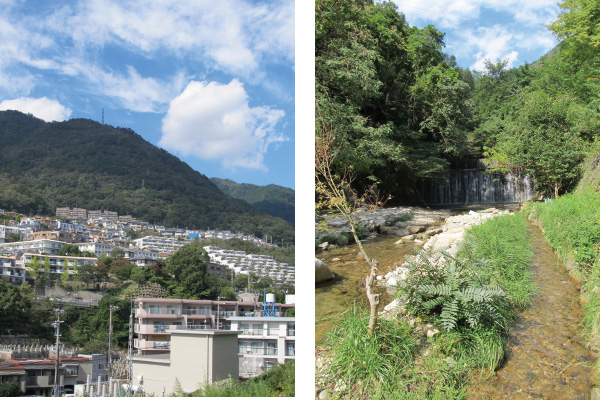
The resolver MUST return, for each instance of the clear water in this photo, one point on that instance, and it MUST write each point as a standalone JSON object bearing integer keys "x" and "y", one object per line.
{"x": 547, "y": 356}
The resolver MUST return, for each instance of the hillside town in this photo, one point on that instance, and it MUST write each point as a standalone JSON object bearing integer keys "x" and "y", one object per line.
{"x": 101, "y": 232}
{"x": 170, "y": 339}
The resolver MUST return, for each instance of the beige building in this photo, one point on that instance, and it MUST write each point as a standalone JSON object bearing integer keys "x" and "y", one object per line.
{"x": 197, "y": 357}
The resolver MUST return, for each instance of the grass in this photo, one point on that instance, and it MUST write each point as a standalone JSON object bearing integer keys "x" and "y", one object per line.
{"x": 399, "y": 362}
{"x": 277, "y": 382}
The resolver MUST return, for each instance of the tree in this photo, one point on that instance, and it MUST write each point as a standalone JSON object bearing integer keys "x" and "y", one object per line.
{"x": 64, "y": 276}
{"x": 69, "y": 250}
{"x": 121, "y": 269}
{"x": 187, "y": 269}
{"x": 34, "y": 266}
{"x": 12, "y": 237}
{"x": 13, "y": 307}
{"x": 46, "y": 274}
{"x": 542, "y": 138}
{"x": 141, "y": 274}
{"x": 334, "y": 192}
{"x": 10, "y": 389}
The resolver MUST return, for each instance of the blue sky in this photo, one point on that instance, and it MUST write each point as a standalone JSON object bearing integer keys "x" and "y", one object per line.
{"x": 211, "y": 82}
{"x": 494, "y": 29}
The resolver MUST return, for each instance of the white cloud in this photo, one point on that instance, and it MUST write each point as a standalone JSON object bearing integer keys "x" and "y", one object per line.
{"x": 43, "y": 108}
{"x": 215, "y": 121}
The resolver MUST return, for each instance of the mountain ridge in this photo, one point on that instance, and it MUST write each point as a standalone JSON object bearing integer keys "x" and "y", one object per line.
{"x": 82, "y": 163}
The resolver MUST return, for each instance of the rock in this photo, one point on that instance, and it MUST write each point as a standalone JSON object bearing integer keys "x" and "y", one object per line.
{"x": 323, "y": 394}
{"x": 595, "y": 394}
{"x": 402, "y": 232}
{"x": 407, "y": 238}
{"x": 416, "y": 229}
{"x": 335, "y": 259}
{"x": 379, "y": 277}
{"x": 386, "y": 230}
{"x": 322, "y": 272}
{"x": 392, "y": 281}
{"x": 360, "y": 256}
{"x": 340, "y": 386}
{"x": 432, "y": 332}
{"x": 323, "y": 246}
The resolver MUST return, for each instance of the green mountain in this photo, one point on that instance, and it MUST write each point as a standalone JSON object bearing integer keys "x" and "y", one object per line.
{"x": 274, "y": 200}
{"x": 82, "y": 163}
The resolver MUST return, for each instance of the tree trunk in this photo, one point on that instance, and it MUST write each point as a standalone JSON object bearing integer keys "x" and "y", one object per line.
{"x": 371, "y": 295}
{"x": 556, "y": 190}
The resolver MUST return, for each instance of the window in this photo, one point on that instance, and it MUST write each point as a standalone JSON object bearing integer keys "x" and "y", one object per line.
{"x": 245, "y": 328}
{"x": 190, "y": 310}
{"x": 290, "y": 349}
{"x": 153, "y": 309}
{"x": 257, "y": 329}
{"x": 271, "y": 348}
{"x": 291, "y": 329}
{"x": 244, "y": 347}
{"x": 270, "y": 364}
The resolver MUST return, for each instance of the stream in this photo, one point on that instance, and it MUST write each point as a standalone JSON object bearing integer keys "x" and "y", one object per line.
{"x": 546, "y": 356}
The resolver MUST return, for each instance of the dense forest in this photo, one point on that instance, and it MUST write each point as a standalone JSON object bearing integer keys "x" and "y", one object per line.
{"x": 398, "y": 109}
{"x": 274, "y": 200}
{"x": 81, "y": 163}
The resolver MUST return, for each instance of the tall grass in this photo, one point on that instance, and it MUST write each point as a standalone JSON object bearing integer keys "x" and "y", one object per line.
{"x": 503, "y": 242}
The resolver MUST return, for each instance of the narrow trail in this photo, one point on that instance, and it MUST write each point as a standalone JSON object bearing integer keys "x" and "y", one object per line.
{"x": 547, "y": 356}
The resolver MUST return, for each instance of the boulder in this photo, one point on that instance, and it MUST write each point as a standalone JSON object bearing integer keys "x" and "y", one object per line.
{"x": 322, "y": 272}
{"x": 416, "y": 229}
{"x": 402, "y": 232}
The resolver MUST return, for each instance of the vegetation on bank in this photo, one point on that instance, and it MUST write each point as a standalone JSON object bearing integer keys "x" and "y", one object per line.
{"x": 472, "y": 299}
{"x": 279, "y": 381}
{"x": 571, "y": 224}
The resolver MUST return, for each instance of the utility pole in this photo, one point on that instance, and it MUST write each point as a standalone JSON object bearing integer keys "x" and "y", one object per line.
{"x": 56, "y": 325}
{"x": 110, "y": 311}
{"x": 130, "y": 352}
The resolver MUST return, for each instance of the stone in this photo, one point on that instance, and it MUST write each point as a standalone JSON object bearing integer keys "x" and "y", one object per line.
{"x": 416, "y": 229}
{"x": 386, "y": 230}
{"x": 340, "y": 386}
{"x": 407, "y": 238}
{"x": 322, "y": 272}
{"x": 595, "y": 394}
{"x": 323, "y": 394}
{"x": 336, "y": 259}
{"x": 323, "y": 246}
{"x": 432, "y": 332}
{"x": 402, "y": 232}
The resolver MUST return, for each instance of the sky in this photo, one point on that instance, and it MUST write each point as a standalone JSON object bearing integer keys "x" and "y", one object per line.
{"x": 211, "y": 82}
{"x": 494, "y": 29}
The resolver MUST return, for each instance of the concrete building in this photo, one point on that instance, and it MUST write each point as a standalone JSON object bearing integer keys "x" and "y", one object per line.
{"x": 10, "y": 271}
{"x": 157, "y": 318}
{"x": 196, "y": 357}
{"x": 39, "y": 246}
{"x": 264, "y": 342}
{"x": 69, "y": 237}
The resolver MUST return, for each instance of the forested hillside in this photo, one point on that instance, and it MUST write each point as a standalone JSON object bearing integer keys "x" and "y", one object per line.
{"x": 397, "y": 108}
{"x": 81, "y": 163}
{"x": 274, "y": 200}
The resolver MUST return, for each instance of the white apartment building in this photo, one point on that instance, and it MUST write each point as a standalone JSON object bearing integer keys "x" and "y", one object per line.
{"x": 157, "y": 318}
{"x": 159, "y": 244}
{"x": 39, "y": 246}
{"x": 264, "y": 342}
{"x": 10, "y": 271}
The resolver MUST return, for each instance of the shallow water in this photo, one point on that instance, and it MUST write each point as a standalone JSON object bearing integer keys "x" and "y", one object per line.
{"x": 332, "y": 298}
{"x": 546, "y": 356}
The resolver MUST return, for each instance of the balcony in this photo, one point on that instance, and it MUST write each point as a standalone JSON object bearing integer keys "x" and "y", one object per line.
{"x": 40, "y": 381}
{"x": 144, "y": 313}
{"x": 151, "y": 344}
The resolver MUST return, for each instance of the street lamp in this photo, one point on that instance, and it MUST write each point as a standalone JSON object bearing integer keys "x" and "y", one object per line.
{"x": 56, "y": 325}
{"x": 110, "y": 311}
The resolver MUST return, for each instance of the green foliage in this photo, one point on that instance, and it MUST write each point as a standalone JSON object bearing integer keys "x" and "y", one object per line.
{"x": 504, "y": 244}
{"x": 103, "y": 168}
{"x": 121, "y": 268}
{"x": 10, "y": 389}
{"x": 370, "y": 359}
{"x": 69, "y": 250}
{"x": 187, "y": 269}
{"x": 279, "y": 381}
{"x": 396, "y": 104}
{"x": 451, "y": 289}
{"x": 13, "y": 306}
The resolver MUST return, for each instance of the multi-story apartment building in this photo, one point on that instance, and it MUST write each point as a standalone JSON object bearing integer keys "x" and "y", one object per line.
{"x": 39, "y": 246}
{"x": 56, "y": 262}
{"x": 69, "y": 237}
{"x": 159, "y": 244}
{"x": 264, "y": 342}
{"x": 157, "y": 317}
{"x": 10, "y": 271}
